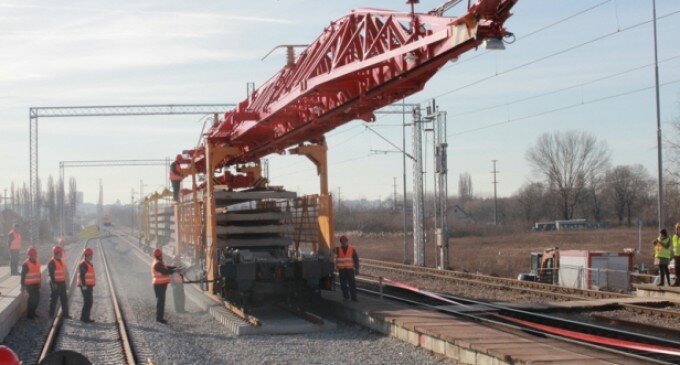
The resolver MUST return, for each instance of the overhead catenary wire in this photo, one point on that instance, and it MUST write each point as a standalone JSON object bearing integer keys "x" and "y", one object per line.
{"x": 534, "y": 32}
{"x": 552, "y": 92}
{"x": 551, "y": 55}
{"x": 565, "y": 107}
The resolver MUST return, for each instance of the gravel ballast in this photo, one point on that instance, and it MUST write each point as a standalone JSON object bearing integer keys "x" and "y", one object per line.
{"x": 197, "y": 338}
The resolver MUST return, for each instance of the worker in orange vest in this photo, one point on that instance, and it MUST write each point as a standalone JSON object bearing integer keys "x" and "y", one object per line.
{"x": 347, "y": 263}
{"x": 160, "y": 279}
{"x": 14, "y": 243}
{"x": 86, "y": 281}
{"x": 176, "y": 177}
{"x": 30, "y": 281}
{"x": 58, "y": 279}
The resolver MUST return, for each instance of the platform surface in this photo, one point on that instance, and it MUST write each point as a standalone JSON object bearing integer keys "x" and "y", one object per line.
{"x": 671, "y": 293}
{"x": 464, "y": 341}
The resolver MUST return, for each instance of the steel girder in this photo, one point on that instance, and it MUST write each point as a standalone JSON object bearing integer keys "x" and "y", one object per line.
{"x": 361, "y": 62}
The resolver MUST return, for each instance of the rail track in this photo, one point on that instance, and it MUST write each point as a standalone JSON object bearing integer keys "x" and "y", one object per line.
{"x": 541, "y": 289}
{"x": 635, "y": 345}
{"x": 126, "y": 349}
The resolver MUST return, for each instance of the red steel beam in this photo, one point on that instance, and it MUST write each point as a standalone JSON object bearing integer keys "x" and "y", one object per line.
{"x": 361, "y": 62}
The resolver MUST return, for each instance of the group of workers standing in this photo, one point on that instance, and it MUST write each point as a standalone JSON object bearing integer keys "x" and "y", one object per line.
{"x": 665, "y": 249}
{"x": 31, "y": 279}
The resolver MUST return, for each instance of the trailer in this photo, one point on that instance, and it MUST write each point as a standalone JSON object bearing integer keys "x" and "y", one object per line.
{"x": 595, "y": 270}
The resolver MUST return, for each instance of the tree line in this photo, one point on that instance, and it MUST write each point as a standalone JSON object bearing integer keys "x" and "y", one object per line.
{"x": 49, "y": 204}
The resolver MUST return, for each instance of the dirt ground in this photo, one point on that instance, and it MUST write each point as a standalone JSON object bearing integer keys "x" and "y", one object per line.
{"x": 506, "y": 255}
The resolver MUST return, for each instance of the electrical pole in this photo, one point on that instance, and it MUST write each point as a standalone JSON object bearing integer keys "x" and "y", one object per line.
{"x": 132, "y": 209}
{"x": 658, "y": 122}
{"x": 403, "y": 155}
{"x": 394, "y": 206}
{"x": 339, "y": 197}
{"x": 418, "y": 194}
{"x": 495, "y": 193}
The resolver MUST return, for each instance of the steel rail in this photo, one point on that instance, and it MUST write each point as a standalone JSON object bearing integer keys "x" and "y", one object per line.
{"x": 126, "y": 345}
{"x": 511, "y": 283}
{"x": 505, "y": 325}
{"x": 55, "y": 327}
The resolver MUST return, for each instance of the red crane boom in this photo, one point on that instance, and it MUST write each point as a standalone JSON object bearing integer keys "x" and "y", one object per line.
{"x": 360, "y": 63}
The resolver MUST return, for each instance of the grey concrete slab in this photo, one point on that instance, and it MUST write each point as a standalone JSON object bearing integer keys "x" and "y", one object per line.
{"x": 242, "y": 196}
{"x": 270, "y": 228}
{"x": 244, "y": 216}
{"x": 260, "y": 242}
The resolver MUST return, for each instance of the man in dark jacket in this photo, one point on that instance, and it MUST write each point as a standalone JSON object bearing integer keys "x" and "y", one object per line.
{"x": 347, "y": 263}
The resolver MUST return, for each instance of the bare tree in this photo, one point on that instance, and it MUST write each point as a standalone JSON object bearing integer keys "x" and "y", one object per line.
{"x": 627, "y": 185}
{"x": 465, "y": 191}
{"x": 51, "y": 203}
{"x": 531, "y": 200}
{"x": 568, "y": 161}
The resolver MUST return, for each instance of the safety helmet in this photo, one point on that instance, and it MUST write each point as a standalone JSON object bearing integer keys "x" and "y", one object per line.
{"x": 88, "y": 252}
{"x": 677, "y": 225}
{"x": 8, "y": 357}
{"x": 178, "y": 157}
{"x": 32, "y": 251}
{"x": 15, "y": 225}
{"x": 157, "y": 253}
{"x": 57, "y": 250}
{"x": 343, "y": 239}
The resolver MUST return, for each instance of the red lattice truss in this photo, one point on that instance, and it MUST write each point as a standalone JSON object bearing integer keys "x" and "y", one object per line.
{"x": 360, "y": 63}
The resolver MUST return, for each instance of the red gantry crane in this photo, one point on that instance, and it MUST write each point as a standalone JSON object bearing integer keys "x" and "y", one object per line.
{"x": 360, "y": 63}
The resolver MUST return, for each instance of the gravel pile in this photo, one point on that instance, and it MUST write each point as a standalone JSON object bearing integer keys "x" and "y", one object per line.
{"x": 98, "y": 341}
{"x": 196, "y": 338}
{"x": 28, "y": 335}
{"x": 481, "y": 292}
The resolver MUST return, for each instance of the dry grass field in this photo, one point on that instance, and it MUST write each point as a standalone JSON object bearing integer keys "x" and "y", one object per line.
{"x": 506, "y": 254}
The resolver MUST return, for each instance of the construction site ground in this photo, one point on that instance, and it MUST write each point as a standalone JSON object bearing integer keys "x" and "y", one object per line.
{"x": 506, "y": 254}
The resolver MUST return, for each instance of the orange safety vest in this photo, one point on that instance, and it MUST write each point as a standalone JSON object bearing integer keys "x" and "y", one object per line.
{"x": 16, "y": 241}
{"x": 158, "y": 278}
{"x": 59, "y": 272}
{"x": 33, "y": 275}
{"x": 175, "y": 172}
{"x": 89, "y": 275}
{"x": 344, "y": 260}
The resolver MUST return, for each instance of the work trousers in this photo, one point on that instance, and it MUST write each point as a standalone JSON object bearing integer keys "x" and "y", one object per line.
{"x": 178, "y": 296}
{"x": 33, "y": 299}
{"x": 87, "y": 302}
{"x": 160, "y": 300}
{"x": 58, "y": 294}
{"x": 664, "y": 273}
{"x": 14, "y": 262}
{"x": 677, "y": 270}
{"x": 347, "y": 280}
{"x": 175, "y": 190}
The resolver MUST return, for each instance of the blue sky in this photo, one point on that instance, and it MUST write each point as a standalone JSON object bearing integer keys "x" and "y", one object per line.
{"x": 144, "y": 52}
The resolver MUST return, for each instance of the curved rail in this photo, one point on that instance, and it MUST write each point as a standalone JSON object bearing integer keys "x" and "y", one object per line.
{"x": 632, "y": 348}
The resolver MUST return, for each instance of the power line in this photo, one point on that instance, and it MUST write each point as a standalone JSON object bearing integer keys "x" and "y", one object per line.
{"x": 575, "y": 86}
{"x": 551, "y": 55}
{"x": 570, "y": 106}
{"x": 535, "y": 31}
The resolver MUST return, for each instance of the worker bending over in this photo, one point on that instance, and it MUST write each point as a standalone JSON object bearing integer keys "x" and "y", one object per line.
{"x": 30, "y": 281}
{"x": 160, "y": 279}
{"x": 86, "y": 281}
{"x": 58, "y": 278}
{"x": 347, "y": 262}
{"x": 14, "y": 244}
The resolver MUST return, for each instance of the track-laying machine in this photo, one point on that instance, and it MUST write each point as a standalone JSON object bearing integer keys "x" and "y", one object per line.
{"x": 255, "y": 242}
